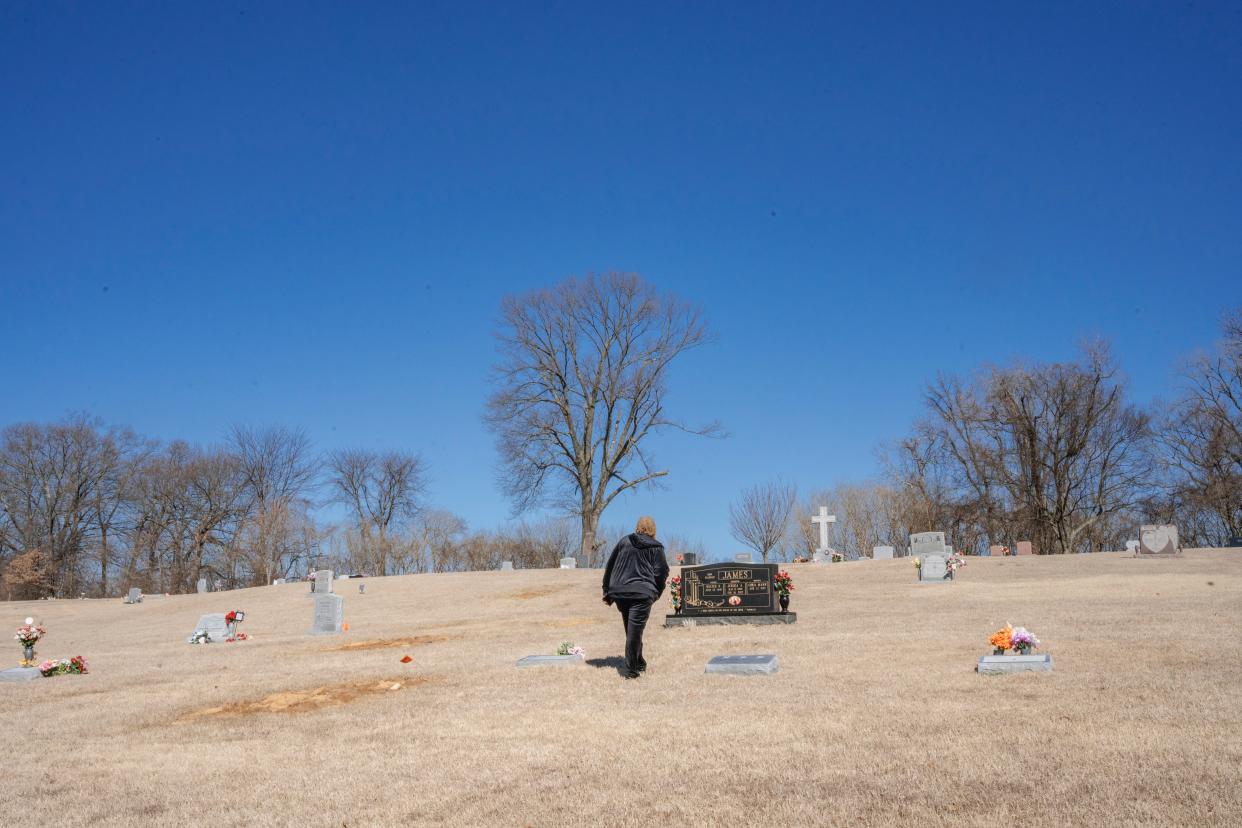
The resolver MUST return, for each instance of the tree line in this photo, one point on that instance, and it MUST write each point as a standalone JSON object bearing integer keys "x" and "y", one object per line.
{"x": 92, "y": 509}
{"x": 1056, "y": 454}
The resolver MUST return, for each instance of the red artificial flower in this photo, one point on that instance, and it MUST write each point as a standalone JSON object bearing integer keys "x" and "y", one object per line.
{"x": 406, "y": 660}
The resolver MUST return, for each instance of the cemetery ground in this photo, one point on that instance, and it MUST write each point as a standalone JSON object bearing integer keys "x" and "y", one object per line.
{"x": 875, "y": 717}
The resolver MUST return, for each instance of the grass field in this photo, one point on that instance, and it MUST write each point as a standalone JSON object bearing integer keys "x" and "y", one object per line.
{"x": 876, "y": 717}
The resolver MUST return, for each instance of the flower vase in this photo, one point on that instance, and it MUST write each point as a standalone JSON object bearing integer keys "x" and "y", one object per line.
{"x": 998, "y": 651}
{"x": 784, "y": 600}
{"x": 28, "y": 654}
{"x": 676, "y": 609}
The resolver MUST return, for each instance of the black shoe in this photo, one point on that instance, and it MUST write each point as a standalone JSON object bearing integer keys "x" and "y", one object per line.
{"x": 630, "y": 675}
{"x": 642, "y": 668}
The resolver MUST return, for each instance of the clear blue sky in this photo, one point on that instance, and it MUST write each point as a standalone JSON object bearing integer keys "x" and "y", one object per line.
{"x": 219, "y": 213}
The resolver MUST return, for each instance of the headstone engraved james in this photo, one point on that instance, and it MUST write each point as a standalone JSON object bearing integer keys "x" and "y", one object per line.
{"x": 323, "y": 582}
{"x": 1158, "y": 540}
{"x": 214, "y": 625}
{"x": 202, "y": 584}
{"x": 929, "y": 548}
{"x": 882, "y": 553}
{"x": 329, "y": 613}
{"x": 729, "y": 589}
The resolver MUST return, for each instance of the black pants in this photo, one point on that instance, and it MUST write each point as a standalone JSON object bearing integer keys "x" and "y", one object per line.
{"x": 634, "y": 615}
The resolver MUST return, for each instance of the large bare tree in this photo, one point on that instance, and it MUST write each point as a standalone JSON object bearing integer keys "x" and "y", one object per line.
{"x": 582, "y": 383}
{"x": 1049, "y": 451}
{"x": 760, "y": 517}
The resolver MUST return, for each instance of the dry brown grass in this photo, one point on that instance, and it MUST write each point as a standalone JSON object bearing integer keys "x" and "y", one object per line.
{"x": 875, "y": 719}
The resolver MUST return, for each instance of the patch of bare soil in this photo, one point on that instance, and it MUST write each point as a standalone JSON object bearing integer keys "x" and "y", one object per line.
{"x": 537, "y": 592}
{"x": 302, "y": 701}
{"x": 388, "y": 643}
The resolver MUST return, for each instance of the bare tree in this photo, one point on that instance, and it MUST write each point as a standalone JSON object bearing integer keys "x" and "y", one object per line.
{"x": 582, "y": 386}
{"x": 1202, "y": 437}
{"x": 1050, "y": 450}
{"x": 760, "y": 517}
{"x": 382, "y": 491}
{"x": 277, "y": 470}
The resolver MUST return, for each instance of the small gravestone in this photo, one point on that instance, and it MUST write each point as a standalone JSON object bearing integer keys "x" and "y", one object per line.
{"x": 278, "y": 582}
{"x": 551, "y": 660}
{"x": 882, "y": 553}
{"x": 689, "y": 559}
{"x": 744, "y": 665}
{"x": 329, "y": 613}
{"x": 506, "y": 566}
{"x": 1132, "y": 546}
{"x": 20, "y": 674}
{"x": 742, "y": 557}
{"x": 323, "y": 582}
{"x": 995, "y": 664}
{"x": 1159, "y": 539}
{"x": 569, "y": 563}
{"x": 135, "y": 596}
{"x": 1025, "y": 548}
{"x": 214, "y": 625}
{"x": 1234, "y": 542}
{"x": 202, "y": 585}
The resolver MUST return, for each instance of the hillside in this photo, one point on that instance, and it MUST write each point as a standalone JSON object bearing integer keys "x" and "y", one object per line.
{"x": 875, "y": 718}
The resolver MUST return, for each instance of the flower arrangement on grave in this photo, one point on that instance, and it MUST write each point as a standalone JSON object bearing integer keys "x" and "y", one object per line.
{"x": 837, "y": 557}
{"x": 29, "y": 634}
{"x": 232, "y": 618}
{"x": 953, "y": 563}
{"x": 75, "y": 666}
{"x": 674, "y": 593}
{"x": 567, "y": 648}
{"x": 199, "y": 637}
{"x": 783, "y": 584}
{"x": 1019, "y": 639}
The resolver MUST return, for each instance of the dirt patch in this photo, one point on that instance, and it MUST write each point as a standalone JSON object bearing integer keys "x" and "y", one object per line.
{"x": 536, "y": 592}
{"x": 302, "y": 701}
{"x": 574, "y": 622}
{"x": 388, "y": 643}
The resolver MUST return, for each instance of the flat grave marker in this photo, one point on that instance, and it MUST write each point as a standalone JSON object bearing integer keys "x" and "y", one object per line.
{"x": 551, "y": 661}
{"x": 996, "y": 664}
{"x": 744, "y": 665}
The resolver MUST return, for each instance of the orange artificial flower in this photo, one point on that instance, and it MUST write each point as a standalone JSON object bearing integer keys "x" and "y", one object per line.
{"x": 1002, "y": 639}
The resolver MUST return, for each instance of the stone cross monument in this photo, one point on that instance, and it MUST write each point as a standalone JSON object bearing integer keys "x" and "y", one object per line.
{"x": 824, "y": 519}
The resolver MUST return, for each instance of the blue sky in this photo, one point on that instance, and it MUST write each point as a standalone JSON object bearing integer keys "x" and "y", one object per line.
{"x": 308, "y": 214}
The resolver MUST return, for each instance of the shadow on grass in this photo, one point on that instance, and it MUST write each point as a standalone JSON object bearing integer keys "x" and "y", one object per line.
{"x": 615, "y": 662}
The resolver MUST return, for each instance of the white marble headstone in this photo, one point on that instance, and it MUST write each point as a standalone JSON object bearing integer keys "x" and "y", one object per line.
{"x": 202, "y": 584}
{"x": 323, "y": 582}
{"x": 569, "y": 563}
{"x": 882, "y": 553}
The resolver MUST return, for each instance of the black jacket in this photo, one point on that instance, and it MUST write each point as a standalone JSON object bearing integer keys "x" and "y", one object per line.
{"x": 636, "y": 567}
